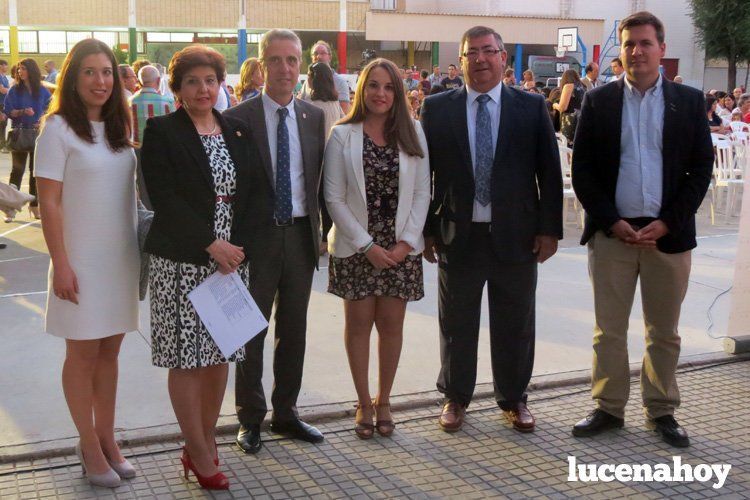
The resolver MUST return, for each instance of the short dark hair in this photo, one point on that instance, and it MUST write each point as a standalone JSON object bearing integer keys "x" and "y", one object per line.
{"x": 122, "y": 70}
{"x": 452, "y": 66}
{"x": 509, "y": 72}
{"x": 589, "y": 67}
{"x": 424, "y": 74}
{"x": 191, "y": 57}
{"x": 3, "y": 62}
{"x": 642, "y": 18}
{"x": 478, "y": 31}
{"x": 617, "y": 60}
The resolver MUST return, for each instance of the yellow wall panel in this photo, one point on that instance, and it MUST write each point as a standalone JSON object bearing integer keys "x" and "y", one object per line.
{"x": 74, "y": 13}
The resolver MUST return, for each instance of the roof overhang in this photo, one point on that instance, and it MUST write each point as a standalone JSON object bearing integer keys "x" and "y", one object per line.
{"x": 431, "y": 27}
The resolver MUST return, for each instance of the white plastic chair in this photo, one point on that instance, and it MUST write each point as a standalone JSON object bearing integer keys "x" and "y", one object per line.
{"x": 739, "y": 127}
{"x": 566, "y": 157}
{"x": 724, "y": 177}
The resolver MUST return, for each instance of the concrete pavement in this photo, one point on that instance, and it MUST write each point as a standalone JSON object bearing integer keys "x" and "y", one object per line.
{"x": 486, "y": 459}
{"x": 34, "y": 418}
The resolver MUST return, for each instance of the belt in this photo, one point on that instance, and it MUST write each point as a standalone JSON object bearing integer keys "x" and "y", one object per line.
{"x": 224, "y": 199}
{"x": 481, "y": 227}
{"x": 291, "y": 221}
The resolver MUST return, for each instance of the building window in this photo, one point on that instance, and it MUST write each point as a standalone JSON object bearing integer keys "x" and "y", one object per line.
{"x": 76, "y": 36}
{"x": 181, "y": 37}
{"x": 4, "y": 42}
{"x": 254, "y": 37}
{"x": 383, "y": 4}
{"x": 27, "y": 42}
{"x": 108, "y": 37}
{"x": 152, "y": 36}
{"x": 52, "y": 42}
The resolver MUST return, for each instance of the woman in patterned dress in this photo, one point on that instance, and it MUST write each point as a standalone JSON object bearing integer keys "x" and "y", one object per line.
{"x": 196, "y": 166}
{"x": 377, "y": 189}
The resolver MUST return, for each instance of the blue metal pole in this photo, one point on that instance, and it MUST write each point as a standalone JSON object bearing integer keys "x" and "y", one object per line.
{"x": 519, "y": 62}
{"x": 583, "y": 52}
{"x": 241, "y": 47}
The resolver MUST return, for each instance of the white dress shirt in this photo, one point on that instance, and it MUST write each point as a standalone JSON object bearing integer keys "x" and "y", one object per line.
{"x": 482, "y": 213}
{"x": 296, "y": 167}
{"x": 639, "y": 183}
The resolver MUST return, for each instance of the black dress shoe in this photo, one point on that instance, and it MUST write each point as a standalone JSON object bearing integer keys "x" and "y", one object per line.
{"x": 596, "y": 422}
{"x": 297, "y": 429}
{"x": 671, "y": 432}
{"x": 248, "y": 439}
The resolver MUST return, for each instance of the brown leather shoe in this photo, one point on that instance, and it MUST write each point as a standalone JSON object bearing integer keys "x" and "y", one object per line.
{"x": 521, "y": 418}
{"x": 452, "y": 417}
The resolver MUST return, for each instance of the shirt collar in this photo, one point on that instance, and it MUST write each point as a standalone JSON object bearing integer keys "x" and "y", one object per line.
{"x": 655, "y": 91}
{"x": 147, "y": 90}
{"x": 494, "y": 93}
{"x": 273, "y": 106}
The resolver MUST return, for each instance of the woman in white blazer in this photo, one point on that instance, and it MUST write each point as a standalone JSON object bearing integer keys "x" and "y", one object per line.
{"x": 377, "y": 189}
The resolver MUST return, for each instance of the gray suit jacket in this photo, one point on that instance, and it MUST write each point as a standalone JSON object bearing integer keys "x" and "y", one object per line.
{"x": 311, "y": 126}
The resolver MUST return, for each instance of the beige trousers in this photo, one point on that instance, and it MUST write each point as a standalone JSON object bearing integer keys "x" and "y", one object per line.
{"x": 614, "y": 269}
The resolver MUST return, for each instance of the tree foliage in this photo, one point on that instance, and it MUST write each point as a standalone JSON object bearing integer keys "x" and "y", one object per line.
{"x": 723, "y": 30}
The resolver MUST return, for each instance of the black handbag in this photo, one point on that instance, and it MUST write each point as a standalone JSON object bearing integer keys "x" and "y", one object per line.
{"x": 22, "y": 140}
{"x": 568, "y": 124}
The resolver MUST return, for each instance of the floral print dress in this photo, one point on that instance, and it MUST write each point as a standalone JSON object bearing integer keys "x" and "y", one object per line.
{"x": 354, "y": 278}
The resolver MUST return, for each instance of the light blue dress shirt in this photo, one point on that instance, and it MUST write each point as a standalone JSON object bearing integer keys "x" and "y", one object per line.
{"x": 482, "y": 213}
{"x": 296, "y": 167}
{"x": 640, "y": 179}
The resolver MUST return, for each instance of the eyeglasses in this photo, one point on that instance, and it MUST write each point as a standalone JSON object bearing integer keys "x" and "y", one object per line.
{"x": 471, "y": 54}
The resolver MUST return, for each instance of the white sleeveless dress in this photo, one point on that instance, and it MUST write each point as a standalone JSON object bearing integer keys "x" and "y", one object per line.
{"x": 99, "y": 230}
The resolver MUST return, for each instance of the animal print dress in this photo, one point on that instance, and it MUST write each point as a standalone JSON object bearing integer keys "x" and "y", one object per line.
{"x": 178, "y": 337}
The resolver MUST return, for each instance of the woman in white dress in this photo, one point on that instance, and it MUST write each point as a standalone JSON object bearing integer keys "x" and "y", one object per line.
{"x": 85, "y": 175}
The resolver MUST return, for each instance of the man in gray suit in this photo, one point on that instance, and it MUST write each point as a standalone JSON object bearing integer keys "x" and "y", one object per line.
{"x": 590, "y": 80}
{"x": 290, "y": 137}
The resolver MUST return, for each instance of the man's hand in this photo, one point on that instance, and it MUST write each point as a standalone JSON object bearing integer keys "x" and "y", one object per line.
{"x": 430, "y": 249}
{"x": 544, "y": 247}
{"x": 624, "y": 232}
{"x": 653, "y": 232}
{"x": 323, "y": 248}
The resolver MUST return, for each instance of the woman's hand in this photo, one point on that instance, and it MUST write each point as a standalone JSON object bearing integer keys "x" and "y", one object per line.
{"x": 399, "y": 251}
{"x": 28, "y": 111}
{"x": 15, "y": 113}
{"x": 379, "y": 257}
{"x": 227, "y": 256}
{"x": 65, "y": 283}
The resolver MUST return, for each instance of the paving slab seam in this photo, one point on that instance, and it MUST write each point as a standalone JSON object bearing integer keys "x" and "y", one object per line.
{"x": 334, "y": 411}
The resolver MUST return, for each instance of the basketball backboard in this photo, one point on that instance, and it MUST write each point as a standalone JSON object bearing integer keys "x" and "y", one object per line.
{"x": 567, "y": 39}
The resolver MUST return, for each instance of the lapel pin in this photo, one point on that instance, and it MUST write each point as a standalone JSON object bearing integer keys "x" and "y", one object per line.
{"x": 304, "y": 116}
{"x": 239, "y": 134}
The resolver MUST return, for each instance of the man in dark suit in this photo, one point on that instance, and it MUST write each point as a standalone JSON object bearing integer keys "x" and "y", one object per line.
{"x": 290, "y": 136}
{"x": 642, "y": 162}
{"x": 496, "y": 212}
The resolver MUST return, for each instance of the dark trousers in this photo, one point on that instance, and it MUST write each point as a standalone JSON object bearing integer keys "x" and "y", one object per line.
{"x": 282, "y": 275}
{"x": 512, "y": 295}
{"x": 18, "y": 160}
{"x": 3, "y": 126}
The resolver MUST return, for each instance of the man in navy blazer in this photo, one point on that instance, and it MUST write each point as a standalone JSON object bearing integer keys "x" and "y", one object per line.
{"x": 496, "y": 212}
{"x": 642, "y": 162}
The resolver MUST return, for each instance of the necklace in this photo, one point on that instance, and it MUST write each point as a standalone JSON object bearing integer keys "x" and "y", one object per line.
{"x": 211, "y": 132}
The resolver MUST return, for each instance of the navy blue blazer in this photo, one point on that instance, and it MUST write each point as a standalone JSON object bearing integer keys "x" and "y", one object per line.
{"x": 526, "y": 186}
{"x": 687, "y": 153}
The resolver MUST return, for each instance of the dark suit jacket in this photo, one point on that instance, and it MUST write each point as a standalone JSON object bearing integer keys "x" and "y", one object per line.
{"x": 526, "y": 191}
{"x": 311, "y": 126}
{"x": 687, "y": 155}
{"x": 178, "y": 178}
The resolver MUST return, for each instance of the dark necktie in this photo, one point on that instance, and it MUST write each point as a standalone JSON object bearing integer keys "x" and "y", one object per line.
{"x": 485, "y": 152}
{"x": 283, "y": 208}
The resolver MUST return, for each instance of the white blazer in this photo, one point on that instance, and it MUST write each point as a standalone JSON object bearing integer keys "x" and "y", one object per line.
{"x": 346, "y": 197}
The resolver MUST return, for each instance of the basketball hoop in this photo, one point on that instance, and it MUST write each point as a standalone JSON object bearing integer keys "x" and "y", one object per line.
{"x": 560, "y": 51}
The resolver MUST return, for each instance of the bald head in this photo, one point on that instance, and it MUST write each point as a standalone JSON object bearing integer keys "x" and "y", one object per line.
{"x": 149, "y": 76}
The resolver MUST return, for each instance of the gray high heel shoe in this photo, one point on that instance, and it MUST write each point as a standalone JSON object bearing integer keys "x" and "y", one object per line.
{"x": 109, "y": 479}
{"x": 124, "y": 469}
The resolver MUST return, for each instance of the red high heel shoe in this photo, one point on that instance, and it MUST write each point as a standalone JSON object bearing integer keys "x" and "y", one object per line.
{"x": 216, "y": 482}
